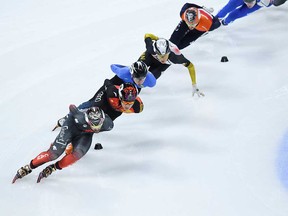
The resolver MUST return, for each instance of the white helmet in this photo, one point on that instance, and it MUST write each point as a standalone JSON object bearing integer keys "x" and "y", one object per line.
{"x": 161, "y": 46}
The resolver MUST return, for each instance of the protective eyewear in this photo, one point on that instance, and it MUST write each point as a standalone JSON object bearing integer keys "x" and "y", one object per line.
{"x": 97, "y": 127}
{"x": 130, "y": 103}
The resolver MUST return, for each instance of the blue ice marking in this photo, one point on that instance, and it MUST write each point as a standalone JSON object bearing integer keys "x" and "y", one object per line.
{"x": 282, "y": 161}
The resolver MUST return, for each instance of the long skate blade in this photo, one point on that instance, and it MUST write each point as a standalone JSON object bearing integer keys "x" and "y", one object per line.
{"x": 55, "y": 128}
{"x": 40, "y": 177}
{"x": 15, "y": 178}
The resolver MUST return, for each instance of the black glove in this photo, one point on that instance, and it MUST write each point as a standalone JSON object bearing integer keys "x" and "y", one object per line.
{"x": 278, "y": 2}
{"x": 107, "y": 83}
{"x": 149, "y": 46}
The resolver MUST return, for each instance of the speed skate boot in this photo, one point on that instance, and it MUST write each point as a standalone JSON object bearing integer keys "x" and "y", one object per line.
{"x": 46, "y": 172}
{"x": 23, "y": 171}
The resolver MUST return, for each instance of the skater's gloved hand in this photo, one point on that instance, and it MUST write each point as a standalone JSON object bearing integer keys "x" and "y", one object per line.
{"x": 196, "y": 91}
{"x": 149, "y": 46}
{"x": 107, "y": 83}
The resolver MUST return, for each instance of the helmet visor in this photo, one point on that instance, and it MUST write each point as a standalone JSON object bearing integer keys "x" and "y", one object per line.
{"x": 127, "y": 104}
{"x": 139, "y": 81}
{"x": 163, "y": 58}
{"x": 97, "y": 127}
{"x": 95, "y": 120}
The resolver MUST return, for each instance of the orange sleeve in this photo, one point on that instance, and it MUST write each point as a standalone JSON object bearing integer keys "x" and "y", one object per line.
{"x": 115, "y": 104}
{"x": 205, "y": 21}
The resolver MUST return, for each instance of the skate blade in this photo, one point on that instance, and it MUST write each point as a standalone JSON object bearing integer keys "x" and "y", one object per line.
{"x": 40, "y": 177}
{"x": 55, "y": 128}
{"x": 15, "y": 178}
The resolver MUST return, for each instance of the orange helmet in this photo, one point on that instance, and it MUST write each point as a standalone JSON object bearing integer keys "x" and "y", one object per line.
{"x": 190, "y": 16}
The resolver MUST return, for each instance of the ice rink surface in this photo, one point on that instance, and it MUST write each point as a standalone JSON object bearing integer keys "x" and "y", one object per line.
{"x": 222, "y": 155}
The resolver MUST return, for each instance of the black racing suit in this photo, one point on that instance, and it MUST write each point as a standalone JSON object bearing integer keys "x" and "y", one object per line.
{"x": 76, "y": 131}
{"x": 182, "y": 36}
{"x": 155, "y": 66}
{"x": 102, "y": 97}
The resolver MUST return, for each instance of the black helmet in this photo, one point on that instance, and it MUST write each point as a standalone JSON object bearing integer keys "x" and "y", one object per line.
{"x": 95, "y": 118}
{"x": 139, "y": 69}
{"x": 161, "y": 46}
{"x": 128, "y": 92}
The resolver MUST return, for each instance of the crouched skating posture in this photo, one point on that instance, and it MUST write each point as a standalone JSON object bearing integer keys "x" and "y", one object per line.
{"x": 78, "y": 129}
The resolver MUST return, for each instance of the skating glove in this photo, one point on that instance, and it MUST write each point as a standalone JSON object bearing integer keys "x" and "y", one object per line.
{"x": 149, "y": 46}
{"x": 196, "y": 91}
{"x": 107, "y": 83}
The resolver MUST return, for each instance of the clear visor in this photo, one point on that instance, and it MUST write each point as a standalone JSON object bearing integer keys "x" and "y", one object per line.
{"x": 163, "y": 58}
{"x": 127, "y": 104}
{"x": 139, "y": 80}
{"x": 97, "y": 127}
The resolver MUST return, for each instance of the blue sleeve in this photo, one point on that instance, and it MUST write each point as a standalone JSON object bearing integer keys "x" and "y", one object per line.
{"x": 240, "y": 12}
{"x": 117, "y": 69}
{"x": 123, "y": 72}
{"x": 230, "y": 6}
{"x": 150, "y": 80}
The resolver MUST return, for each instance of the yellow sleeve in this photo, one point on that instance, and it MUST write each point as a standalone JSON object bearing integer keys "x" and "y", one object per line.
{"x": 192, "y": 73}
{"x": 142, "y": 57}
{"x": 152, "y": 36}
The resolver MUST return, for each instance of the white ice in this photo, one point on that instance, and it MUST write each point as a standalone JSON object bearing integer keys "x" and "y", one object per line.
{"x": 222, "y": 155}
